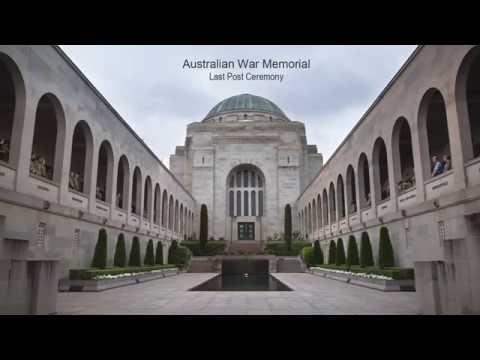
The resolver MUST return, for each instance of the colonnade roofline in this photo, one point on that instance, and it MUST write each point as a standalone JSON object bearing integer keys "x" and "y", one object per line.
{"x": 412, "y": 56}
{"x": 75, "y": 68}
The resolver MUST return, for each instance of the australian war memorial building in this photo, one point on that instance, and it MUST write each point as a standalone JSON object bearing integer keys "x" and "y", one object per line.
{"x": 245, "y": 161}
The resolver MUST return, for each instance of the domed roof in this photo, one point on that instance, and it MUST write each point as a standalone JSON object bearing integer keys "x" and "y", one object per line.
{"x": 246, "y": 102}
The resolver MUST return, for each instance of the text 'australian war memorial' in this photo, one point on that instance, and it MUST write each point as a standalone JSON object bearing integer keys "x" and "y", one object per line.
{"x": 397, "y": 205}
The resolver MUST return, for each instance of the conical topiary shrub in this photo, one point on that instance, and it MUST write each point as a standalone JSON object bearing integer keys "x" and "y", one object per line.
{"x": 385, "y": 249}
{"x": 172, "y": 252}
{"x": 340, "y": 258}
{"x": 203, "y": 226}
{"x": 100, "y": 254}
{"x": 159, "y": 254}
{"x": 332, "y": 252}
{"x": 288, "y": 227}
{"x": 317, "y": 253}
{"x": 352, "y": 254}
{"x": 120, "y": 258}
{"x": 366, "y": 254}
{"x": 134, "y": 259}
{"x": 149, "y": 256}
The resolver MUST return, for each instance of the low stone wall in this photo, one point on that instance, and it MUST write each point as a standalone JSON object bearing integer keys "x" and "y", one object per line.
{"x": 378, "y": 284}
{"x": 105, "y": 284}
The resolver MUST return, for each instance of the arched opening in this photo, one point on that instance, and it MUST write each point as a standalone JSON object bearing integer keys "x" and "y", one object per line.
{"x": 136, "y": 206}
{"x": 340, "y": 197}
{"x": 325, "y": 207}
{"x": 185, "y": 220}
{"x": 203, "y": 223}
{"x": 467, "y": 91}
{"x": 380, "y": 171}
{"x": 147, "y": 198}
{"x": 164, "y": 208}
{"x": 245, "y": 191}
{"x": 176, "y": 219}
{"x": 333, "y": 208}
{"x": 314, "y": 215}
{"x": 309, "y": 218}
{"x": 403, "y": 155}
{"x": 180, "y": 230}
{"x": 364, "y": 182}
{"x": 48, "y": 139}
{"x": 319, "y": 212}
{"x": 434, "y": 138}
{"x": 81, "y": 158}
{"x": 123, "y": 177}
{"x": 351, "y": 191}
{"x": 12, "y": 109}
{"x": 156, "y": 205}
{"x": 104, "y": 172}
{"x": 170, "y": 213}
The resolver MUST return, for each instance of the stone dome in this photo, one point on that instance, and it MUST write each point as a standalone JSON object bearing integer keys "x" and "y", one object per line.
{"x": 250, "y": 107}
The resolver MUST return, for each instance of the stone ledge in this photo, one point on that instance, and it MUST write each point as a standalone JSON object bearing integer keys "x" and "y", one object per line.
{"x": 378, "y": 284}
{"x": 65, "y": 285}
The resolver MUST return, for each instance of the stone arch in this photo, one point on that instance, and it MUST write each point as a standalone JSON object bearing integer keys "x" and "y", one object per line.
{"x": 325, "y": 208}
{"x": 340, "y": 198}
{"x": 364, "y": 181}
{"x": 351, "y": 191}
{"x": 332, "y": 204}
{"x": 156, "y": 205}
{"x": 103, "y": 190}
{"x": 165, "y": 209}
{"x": 403, "y": 162}
{"x": 81, "y": 158}
{"x": 381, "y": 179}
{"x": 245, "y": 186}
{"x": 136, "y": 205}
{"x": 147, "y": 198}
{"x": 123, "y": 183}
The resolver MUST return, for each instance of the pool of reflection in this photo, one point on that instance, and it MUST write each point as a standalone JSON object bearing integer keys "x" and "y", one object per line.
{"x": 242, "y": 282}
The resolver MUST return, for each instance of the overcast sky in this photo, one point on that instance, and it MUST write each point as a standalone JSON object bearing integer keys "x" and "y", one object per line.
{"x": 151, "y": 91}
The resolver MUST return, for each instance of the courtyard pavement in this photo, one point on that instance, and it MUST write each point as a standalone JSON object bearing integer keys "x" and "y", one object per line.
{"x": 312, "y": 295}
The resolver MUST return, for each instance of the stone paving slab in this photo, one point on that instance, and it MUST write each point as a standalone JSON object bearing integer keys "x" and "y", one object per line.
{"x": 312, "y": 295}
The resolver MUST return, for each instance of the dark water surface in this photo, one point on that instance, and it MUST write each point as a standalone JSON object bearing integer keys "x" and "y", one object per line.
{"x": 241, "y": 282}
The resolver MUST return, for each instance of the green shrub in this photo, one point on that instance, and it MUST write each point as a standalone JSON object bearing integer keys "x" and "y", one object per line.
{"x": 352, "y": 254}
{"x": 100, "y": 254}
{"x": 120, "y": 258}
{"x": 307, "y": 256}
{"x": 279, "y": 248}
{"x": 317, "y": 253}
{"x": 366, "y": 254}
{"x": 149, "y": 255}
{"x": 203, "y": 225}
{"x": 395, "y": 273}
{"x": 340, "y": 258}
{"x": 332, "y": 252}
{"x": 211, "y": 248}
{"x": 288, "y": 227}
{"x": 134, "y": 259}
{"x": 172, "y": 252}
{"x": 88, "y": 274}
{"x": 385, "y": 250}
{"x": 159, "y": 253}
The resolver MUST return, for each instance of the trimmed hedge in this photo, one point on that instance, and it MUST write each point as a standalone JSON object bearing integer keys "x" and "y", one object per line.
{"x": 211, "y": 247}
{"x": 159, "y": 254}
{"x": 279, "y": 248}
{"x": 88, "y": 274}
{"x": 317, "y": 253}
{"x": 100, "y": 254}
{"x": 120, "y": 257}
{"x": 332, "y": 252}
{"x": 340, "y": 258}
{"x": 395, "y": 273}
{"x": 288, "y": 227}
{"x": 203, "y": 225}
{"x": 135, "y": 259}
{"x": 307, "y": 256}
{"x": 178, "y": 255}
{"x": 385, "y": 250}
{"x": 149, "y": 255}
{"x": 366, "y": 254}
{"x": 352, "y": 254}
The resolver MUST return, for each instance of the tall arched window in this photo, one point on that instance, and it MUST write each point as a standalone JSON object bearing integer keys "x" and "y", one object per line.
{"x": 403, "y": 155}
{"x": 244, "y": 181}
{"x": 231, "y": 199}
{"x": 48, "y": 139}
{"x": 319, "y": 212}
{"x": 325, "y": 207}
{"x": 104, "y": 172}
{"x": 364, "y": 182}
{"x": 165, "y": 208}
{"x": 340, "y": 197}
{"x": 156, "y": 205}
{"x": 81, "y": 158}
{"x": 380, "y": 171}
{"x": 176, "y": 219}
{"x": 123, "y": 176}
{"x": 136, "y": 206}
{"x": 333, "y": 209}
{"x": 170, "y": 213}
{"x": 351, "y": 191}
{"x": 12, "y": 109}
{"x": 433, "y": 130}
{"x": 147, "y": 198}
{"x": 254, "y": 203}
{"x": 314, "y": 215}
{"x": 245, "y": 204}
{"x": 309, "y": 218}
{"x": 180, "y": 230}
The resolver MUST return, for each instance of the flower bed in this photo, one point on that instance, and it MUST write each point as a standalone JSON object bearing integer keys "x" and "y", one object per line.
{"x": 103, "y": 279}
{"x": 390, "y": 279}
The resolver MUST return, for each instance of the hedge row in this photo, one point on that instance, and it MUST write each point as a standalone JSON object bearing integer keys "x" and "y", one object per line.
{"x": 211, "y": 247}
{"x": 88, "y": 274}
{"x": 279, "y": 248}
{"x": 396, "y": 273}
{"x": 178, "y": 255}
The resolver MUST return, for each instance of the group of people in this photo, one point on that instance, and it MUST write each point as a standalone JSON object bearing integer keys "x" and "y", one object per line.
{"x": 4, "y": 149}
{"x": 100, "y": 193}
{"x": 440, "y": 166}
{"x": 75, "y": 182}
{"x": 39, "y": 167}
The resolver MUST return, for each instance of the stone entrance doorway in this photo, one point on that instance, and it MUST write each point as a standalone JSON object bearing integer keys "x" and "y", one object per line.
{"x": 246, "y": 231}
